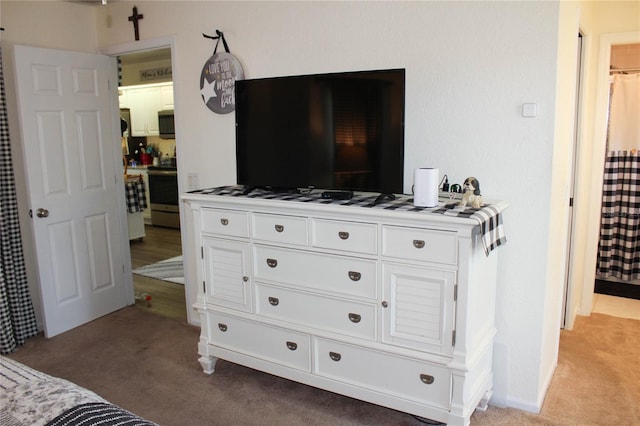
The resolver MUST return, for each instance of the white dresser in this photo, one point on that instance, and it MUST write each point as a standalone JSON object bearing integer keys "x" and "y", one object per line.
{"x": 388, "y": 304}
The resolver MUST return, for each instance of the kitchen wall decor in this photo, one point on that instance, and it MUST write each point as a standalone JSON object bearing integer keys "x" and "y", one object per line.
{"x": 217, "y": 81}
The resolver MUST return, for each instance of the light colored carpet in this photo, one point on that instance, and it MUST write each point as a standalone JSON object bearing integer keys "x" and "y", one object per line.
{"x": 148, "y": 364}
{"x": 167, "y": 270}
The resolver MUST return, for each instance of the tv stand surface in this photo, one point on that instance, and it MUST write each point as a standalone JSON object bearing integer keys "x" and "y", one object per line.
{"x": 384, "y": 197}
{"x": 250, "y": 188}
{"x": 327, "y": 195}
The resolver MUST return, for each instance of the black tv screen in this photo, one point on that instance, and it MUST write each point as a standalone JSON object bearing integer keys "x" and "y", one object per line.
{"x": 339, "y": 131}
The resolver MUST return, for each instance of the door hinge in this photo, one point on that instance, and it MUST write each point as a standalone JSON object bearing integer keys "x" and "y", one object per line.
{"x": 202, "y": 252}
{"x": 571, "y": 202}
{"x": 204, "y": 287}
{"x": 453, "y": 338}
{"x": 455, "y": 293}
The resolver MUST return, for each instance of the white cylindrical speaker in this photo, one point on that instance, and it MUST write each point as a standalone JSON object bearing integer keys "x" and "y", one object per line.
{"x": 425, "y": 187}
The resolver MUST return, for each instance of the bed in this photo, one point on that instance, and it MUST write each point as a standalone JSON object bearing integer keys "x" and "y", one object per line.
{"x": 29, "y": 397}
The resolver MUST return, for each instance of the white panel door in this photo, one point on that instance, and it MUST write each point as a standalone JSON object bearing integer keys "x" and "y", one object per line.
{"x": 68, "y": 141}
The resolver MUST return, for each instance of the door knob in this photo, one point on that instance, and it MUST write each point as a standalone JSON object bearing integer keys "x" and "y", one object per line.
{"x": 42, "y": 213}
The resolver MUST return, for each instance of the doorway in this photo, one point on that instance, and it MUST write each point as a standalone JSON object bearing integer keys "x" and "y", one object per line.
{"x": 614, "y": 276}
{"x": 145, "y": 76}
{"x": 593, "y": 170}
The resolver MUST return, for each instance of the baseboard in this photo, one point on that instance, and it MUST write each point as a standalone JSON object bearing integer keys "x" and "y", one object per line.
{"x": 547, "y": 383}
{"x": 524, "y": 405}
{"x": 629, "y": 291}
{"x": 528, "y": 405}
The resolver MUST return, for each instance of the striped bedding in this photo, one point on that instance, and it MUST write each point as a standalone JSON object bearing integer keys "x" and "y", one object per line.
{"x": 30, "y": 397}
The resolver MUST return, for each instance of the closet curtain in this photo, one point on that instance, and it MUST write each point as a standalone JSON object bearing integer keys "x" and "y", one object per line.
{"x": 619, "y": 248}
{"x": 17, "y": 317}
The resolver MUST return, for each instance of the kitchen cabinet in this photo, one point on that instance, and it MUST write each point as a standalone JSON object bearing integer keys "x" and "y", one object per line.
{"x": 166, "y": 96}
{"x": 391, "y": 306}
{"x": 123, "y": 98}
{"x": 144, "y": 103}
{"x": 135, "y": 223}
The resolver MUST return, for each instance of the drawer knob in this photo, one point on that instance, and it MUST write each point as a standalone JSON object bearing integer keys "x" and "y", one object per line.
{"x": 335, "y": 356}
{"x": 385, "y": 304}
{"x": 355, "y": 318}
{"x": 245, "y": 278}
{"x": 224, "y": 221}
{"x": 272, "y": 263}
{"x": 355, "y": 276}
{"x": 343, "y": 235}
{"x": 222, "y": 327}
{"x": 418, "y": 244}
{"x": 279, "y": 228}
{"x": 426, "y": 379}
{"x": 292, "y": 346}
{"x": 274, "y": 301}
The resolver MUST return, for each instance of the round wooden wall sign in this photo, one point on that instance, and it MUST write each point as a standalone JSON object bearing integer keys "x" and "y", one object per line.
{"x": 217, "y": 82}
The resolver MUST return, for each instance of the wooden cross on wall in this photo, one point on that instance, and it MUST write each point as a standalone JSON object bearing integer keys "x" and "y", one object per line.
{"x": 135, "y": 18}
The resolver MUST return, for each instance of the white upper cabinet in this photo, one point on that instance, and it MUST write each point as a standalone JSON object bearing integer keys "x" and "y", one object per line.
{"x": 145, "y": 102}
{"x": 166, "y": 96}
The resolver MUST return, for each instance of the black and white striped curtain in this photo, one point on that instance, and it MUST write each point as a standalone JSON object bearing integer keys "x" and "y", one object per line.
{"x": 619, "y": 248}
{"x": 17, "y": 318}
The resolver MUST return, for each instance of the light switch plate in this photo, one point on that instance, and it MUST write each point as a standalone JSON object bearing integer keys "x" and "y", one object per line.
{"x": 529, "y": 110}
{"x": 192, "y": 181}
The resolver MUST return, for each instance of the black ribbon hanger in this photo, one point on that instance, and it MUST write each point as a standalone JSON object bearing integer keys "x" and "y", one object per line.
{"x": 219, "y": 35}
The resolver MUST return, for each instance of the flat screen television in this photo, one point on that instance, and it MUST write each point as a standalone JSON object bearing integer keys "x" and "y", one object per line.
{"x": 338, "y": 131}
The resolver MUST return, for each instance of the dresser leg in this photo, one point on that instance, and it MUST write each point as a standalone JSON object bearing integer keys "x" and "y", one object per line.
{"x": 208, "y": 363}
{"x": 484, "y": 402}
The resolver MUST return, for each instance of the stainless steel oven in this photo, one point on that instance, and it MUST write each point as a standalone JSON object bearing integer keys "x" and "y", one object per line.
{"x": 163, "y": 195}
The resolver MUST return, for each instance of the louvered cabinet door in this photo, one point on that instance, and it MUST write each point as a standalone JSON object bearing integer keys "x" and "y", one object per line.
{"x": 418, "y": 308}
{"x": 226, "y": 273}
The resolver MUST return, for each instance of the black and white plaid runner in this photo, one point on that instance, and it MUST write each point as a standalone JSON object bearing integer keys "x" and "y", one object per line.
{"x": 619, "y": 248}
{"x": 488, "y": 217}
{"x": 136, "y": 195}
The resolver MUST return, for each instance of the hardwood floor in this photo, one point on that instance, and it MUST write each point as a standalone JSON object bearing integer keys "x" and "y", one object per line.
{"x": 159, "y": 244}
{"x": 167, "y": 298}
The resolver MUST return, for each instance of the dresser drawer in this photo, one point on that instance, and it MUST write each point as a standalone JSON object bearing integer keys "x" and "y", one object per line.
{"x": 225, "y": 222}
{"x": 279, "y": 229}
{"x": 336, "y": 274}
{"x": 277, "y": 345}
{"x": 330, "y": 314}
{"x": 420, "y": 244}
{"x": 407, "y": 378}
{"x": 341, "y": 235}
